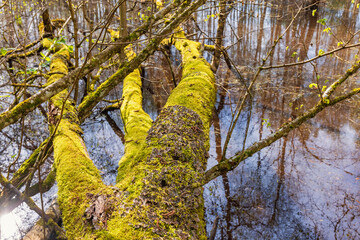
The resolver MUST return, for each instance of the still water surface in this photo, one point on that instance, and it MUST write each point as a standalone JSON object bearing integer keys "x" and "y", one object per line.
{"x": 304, "y": 186}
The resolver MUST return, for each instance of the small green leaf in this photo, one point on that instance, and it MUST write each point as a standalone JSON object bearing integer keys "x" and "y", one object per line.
{"x": 70, "y": 48}
{"x": 3, "y": 51}
{"x": 287, "y": 47}
{"x": 322, "y": 21}
{"x": 313, "y": 12}
{"x": 340, "y": 43}
{"x": 323, "y": 88}
{"x": 266, "y": 121}
{"x": 18, "y": 20}
{"x": 327, "y": 29}
{"x": 62, "y": 40}
{"x": 321, "y": 52}
{"x": 313, "y": 85}
{"x": 294, "y": 54}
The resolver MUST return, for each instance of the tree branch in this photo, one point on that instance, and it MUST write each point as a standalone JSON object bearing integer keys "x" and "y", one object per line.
{"x": 231, "y": 163}
{"x": 22, "y": 109}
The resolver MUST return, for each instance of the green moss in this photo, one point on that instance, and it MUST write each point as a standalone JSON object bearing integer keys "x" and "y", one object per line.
{"x": 161, "y": 201}
{"x": 76, "y": 174}
{"x": 46, "y": 43}
{"x": 49, "y": 44}
{"x": 136, "y": 123}
{"x": 158, "y": 170}
{"x": 158, "y": 174}
{"x": 197, "y": 89}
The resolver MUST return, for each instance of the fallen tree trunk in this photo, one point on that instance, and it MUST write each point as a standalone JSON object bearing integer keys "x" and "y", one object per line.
{"x": 45, "y": 231}
{"x": 92, "y": 99}
{"x": 154, "y": 196}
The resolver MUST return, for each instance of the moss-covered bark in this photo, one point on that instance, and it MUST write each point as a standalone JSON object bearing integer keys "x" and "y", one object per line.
{"x": 136, "y": 124}
{"x": 76, "y": 174}
{"x": 155, "y": 196}
{"x": 162, "y": 201}
{"x": 196, "y": 90}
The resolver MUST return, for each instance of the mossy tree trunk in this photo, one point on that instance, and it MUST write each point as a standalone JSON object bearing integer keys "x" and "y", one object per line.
{"x": 76, "y": 174}
{"x": 178, "y": 10}
{"x": 155, "y": 195}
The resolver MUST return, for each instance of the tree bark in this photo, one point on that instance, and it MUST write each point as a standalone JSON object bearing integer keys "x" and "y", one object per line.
{"x": 154, "y": 196}
{"x": 37, "y": 232}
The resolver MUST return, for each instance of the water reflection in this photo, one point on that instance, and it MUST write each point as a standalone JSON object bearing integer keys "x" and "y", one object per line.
{"x": 306, "y": 185}
{"x": 9, "y": 223}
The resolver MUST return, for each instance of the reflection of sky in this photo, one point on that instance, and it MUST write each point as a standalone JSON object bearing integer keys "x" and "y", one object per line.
{"x": 320, "y": 186}
{"x": 320, "y": 192}
{"x": 104, "y": 148}
{"x": 20, "y": 220}
{"x": 8, "y": 224}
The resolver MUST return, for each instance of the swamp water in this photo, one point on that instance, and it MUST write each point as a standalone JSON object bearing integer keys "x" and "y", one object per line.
{"x": 304, "y": 186}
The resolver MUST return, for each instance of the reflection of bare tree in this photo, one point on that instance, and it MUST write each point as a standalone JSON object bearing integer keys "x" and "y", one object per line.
{"x": 281, "y": 95}
{"x": 225, "y": 180}
{"x": 280, "y": 181}
{"x": 272, "y": 188}
{"x": 260, "y": 34}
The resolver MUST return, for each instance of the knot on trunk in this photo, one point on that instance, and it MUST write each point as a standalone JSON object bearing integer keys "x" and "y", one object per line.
{"x": 100, "y": 209}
